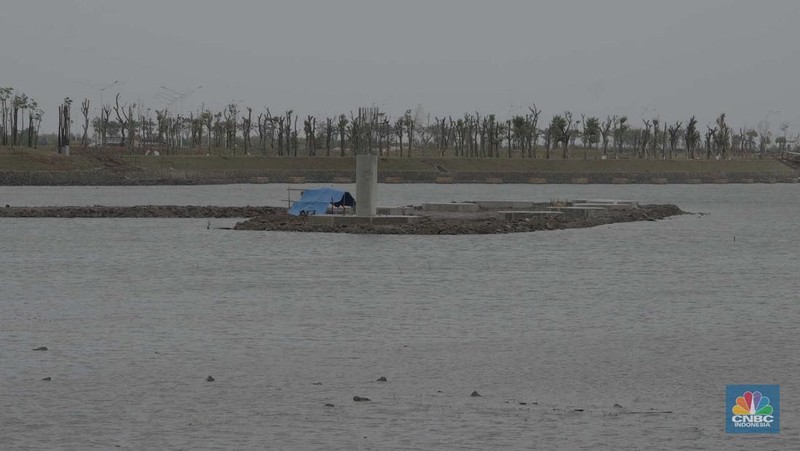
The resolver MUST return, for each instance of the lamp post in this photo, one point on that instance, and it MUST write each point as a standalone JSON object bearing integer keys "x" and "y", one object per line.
{"x": 172, "y": 97}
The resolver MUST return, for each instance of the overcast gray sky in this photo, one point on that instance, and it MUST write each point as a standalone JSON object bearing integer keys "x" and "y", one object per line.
{"x": 636, "y": 57}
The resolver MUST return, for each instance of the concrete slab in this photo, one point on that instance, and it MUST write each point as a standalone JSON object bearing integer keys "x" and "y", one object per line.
{"x": 608, "y": 206}
{"x": 334, "y": 220}
{"x": 460, "y": 207}
{"x": 389, "y": 211}
{"x": 604, "y": 201}
{"x": 396, "y": 211}
{"x": 326, "y": 220}
{"x": 505, "y": 204}
{"x": 512, "y": 215}
{"x": 389, "y": 220}
{"x": 581, "y": 212}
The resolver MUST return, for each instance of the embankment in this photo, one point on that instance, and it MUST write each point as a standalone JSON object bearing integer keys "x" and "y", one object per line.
{"x": 40, "y": 169}
{"x": 141, "y": 211}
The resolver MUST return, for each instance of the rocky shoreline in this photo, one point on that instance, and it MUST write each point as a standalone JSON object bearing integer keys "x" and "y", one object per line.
{"x": 467, "y": 224}
{"x": 277, "y": 219}
{"x": 140, "y": 211}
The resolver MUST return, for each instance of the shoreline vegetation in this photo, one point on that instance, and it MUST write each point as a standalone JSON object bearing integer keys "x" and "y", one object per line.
{"x": 486, "y": 221}
{"x": 137, "y": 145}
{"x": 109, "y": 167}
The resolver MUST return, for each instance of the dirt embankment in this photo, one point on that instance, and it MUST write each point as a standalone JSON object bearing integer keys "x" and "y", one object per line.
{"x": 104, "y": 177}
{"x": 141, "y": 211}
{"x": 108, "y": 169}
{"x": 467, "y": 225}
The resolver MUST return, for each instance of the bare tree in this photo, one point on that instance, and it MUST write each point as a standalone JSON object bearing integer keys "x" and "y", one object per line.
{"x": 295, "y": 140}
{"x": 674, "y": 132}
{"x": 621, "y": 128}
{"x": 692, "y": 138}
{"x": 281, "y": 133}
{"x": 533, "y": 130}
{"x": 247, "y": 128}
{"x": 33, "y": 107}
{"x": 656, "y": 137}
{"x": 409, "y": 122}
{"x": 5, "y": 95}
{"x": 17, "y": 103}
{"x": 105, "y": 114}
{"x": 342, "y": 125}
{"x": 750, "y": 144}
{"x": 591, "y": 133}
{"x": 764, "y": 138}
{"x": 310, "y": 129}
{"x": 399, "y": 126}
{"x": 208, "y": 120}
{"x": 709, "y": 140}
{"x": 262, "y": 132}
{"x": 124, "y": 119}
{"x": 85, "y": 112}
{"x": 548, "y": 140}
{"x": 566, "y": 133}
{"x": 37, "y": 117}
{"x": 783, "y": 140}
{"x": 722, "y": 137}
{"x": 64, "y": 126}
{"x": 328, "y": 135}
{"x": 644, "y": 138}
{"x": 605, "y": 133}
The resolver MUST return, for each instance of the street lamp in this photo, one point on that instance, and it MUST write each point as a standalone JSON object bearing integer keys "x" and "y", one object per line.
{"x": 172, "y": 97}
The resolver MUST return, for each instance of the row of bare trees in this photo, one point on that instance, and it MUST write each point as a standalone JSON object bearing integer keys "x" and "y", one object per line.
{"x": 472, "y": 136}
{"x": 14, "y": 106}
{"x": 234, "y": 130}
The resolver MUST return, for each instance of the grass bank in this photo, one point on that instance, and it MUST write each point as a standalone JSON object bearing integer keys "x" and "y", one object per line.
{"x": 46, "y": 167}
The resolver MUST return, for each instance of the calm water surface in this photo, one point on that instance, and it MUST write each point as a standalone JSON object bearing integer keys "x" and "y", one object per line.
{"x": 653, "y": 316}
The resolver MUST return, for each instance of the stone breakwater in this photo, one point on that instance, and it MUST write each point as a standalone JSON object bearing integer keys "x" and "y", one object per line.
{"x": 436, "y": 223}
{"x": 141, "y": 211}
{"x": 466, "y": 224}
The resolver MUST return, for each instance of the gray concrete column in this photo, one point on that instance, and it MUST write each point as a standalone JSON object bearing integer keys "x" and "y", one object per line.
{"x": 366, "y": 184}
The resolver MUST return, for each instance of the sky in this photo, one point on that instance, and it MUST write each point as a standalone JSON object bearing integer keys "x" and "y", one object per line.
{"x": 641, "y": 58}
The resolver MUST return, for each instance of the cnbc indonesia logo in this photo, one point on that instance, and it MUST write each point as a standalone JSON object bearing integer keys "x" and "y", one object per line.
{"x": 752, "y": 410}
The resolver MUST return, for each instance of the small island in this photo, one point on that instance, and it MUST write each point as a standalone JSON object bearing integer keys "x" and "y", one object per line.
{"x": 469, "y": 218}
{"x": 463, "y": 218}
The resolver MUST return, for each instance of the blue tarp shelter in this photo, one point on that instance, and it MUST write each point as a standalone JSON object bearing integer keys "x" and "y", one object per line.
{"x": 317, "y": 201}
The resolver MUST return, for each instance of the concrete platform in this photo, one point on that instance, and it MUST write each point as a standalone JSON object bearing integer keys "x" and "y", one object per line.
{"x": 459, "y": 207}
{"x": 607, "y": 206}
{"x": 505, "y": 204}
{"x": 511, "y": 215}
{"x": 397, "y": 211}
{"x": 605, "y": 201}
{"x": 333, "y": 220}
{"x": 581, "y": 212}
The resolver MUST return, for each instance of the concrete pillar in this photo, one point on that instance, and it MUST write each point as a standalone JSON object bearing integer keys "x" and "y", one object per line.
{"x": 366, "y": 184}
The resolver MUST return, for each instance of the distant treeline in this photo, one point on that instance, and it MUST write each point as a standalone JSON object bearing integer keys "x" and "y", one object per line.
{"x": 236, "y": 130}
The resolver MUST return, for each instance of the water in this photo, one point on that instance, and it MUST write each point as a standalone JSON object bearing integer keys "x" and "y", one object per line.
{"x": 652, "y": 315}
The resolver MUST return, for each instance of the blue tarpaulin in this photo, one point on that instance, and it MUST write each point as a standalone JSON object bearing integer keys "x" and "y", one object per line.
{"x": 317, "y": 201}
